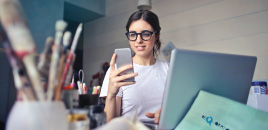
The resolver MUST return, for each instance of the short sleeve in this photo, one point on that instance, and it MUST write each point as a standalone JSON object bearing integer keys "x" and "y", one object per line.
{"x": 104, "y": 87}
{"x": 120, "y": 93}
{"x": 164, "y": 66}
{"x": 105, "y": 84}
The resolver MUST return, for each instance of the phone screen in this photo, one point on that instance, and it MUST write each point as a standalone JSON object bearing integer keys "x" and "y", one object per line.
{"x": 124, "y": 58}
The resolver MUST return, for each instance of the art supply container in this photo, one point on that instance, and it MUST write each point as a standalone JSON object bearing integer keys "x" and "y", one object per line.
{"x": 70, "y": 98}
{"x": 85, "y": 100}
{"x": 37, "y": 116}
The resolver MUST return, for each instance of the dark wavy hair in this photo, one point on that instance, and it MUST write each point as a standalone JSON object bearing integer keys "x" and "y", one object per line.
{"x": 152, "y": 19}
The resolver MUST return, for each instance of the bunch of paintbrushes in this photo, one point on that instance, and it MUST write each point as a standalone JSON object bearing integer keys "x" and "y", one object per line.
{"x": 45, "y": 80}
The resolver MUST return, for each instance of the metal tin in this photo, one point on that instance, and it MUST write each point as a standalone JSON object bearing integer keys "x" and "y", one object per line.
{"x": 78, "y": 119}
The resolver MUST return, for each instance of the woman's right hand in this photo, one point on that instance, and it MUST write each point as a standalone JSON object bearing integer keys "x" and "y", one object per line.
{"x": 115, "y": 80}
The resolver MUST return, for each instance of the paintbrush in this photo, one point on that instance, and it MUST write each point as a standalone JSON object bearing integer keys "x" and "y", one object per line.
{"x": 11, "y": 16}
{"x": 67, "y": 74}
{"x": 52, "y": 80}
{"x": 16, "y": 68}
{"x": 70, "y": 56}
{"x": 44, "y": 62}
{"x": 45, "y": 58}
{"x": 21, "y": 81}
{"x": 66, "y": 41}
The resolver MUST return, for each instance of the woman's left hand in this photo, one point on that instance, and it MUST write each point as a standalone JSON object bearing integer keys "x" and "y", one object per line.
{"x": 155, "y": 115}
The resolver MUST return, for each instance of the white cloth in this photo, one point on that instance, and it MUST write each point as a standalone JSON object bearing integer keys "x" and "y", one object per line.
{"x": 146, "y": 94}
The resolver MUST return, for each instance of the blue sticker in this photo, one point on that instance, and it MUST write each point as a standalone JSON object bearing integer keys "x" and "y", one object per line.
{"x": 209, "y": 121}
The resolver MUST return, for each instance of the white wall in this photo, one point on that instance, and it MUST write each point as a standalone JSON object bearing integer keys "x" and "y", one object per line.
{"x": 227, "y": 26}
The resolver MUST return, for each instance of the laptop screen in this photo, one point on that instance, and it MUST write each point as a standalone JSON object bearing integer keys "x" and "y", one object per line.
{"x": 226, "y": 75}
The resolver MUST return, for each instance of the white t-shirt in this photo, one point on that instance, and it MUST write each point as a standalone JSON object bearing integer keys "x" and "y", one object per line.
{"x": 146, "y": 94}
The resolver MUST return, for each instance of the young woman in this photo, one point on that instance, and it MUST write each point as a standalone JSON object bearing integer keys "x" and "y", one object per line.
{"x": 143, "y": 96}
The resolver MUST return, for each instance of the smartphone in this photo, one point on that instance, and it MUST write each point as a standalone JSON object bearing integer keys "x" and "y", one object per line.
{"x": 123, "y": 57}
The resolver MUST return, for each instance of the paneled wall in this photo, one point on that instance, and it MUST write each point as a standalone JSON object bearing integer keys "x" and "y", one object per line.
{"x": 227, "y": 26}
{"x": 41, "y": 16}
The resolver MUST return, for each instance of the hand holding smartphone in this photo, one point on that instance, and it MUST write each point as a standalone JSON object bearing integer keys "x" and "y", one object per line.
{"x": 124, "y": 58}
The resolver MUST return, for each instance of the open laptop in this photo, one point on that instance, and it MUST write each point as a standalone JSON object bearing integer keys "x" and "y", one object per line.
{"x": 226, "y": 75}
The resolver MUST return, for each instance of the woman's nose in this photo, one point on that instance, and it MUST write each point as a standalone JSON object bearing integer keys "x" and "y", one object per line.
{"x": 139, "y": 39}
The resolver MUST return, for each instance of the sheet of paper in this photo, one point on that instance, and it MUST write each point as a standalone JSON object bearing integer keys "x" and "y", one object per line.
{"x": 212, "y": 112}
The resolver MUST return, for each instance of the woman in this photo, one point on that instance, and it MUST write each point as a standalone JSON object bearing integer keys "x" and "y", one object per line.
{"x": 143, "y": 96}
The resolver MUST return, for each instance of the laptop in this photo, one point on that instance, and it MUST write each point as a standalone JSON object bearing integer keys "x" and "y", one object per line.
{"x": 190, "y": 71}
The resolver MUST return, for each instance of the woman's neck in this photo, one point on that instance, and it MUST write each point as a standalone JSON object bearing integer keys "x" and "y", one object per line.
{"x": 146, "y": 61}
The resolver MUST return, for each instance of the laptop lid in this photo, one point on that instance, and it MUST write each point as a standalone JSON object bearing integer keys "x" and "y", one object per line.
{"x": 226, "y": 75}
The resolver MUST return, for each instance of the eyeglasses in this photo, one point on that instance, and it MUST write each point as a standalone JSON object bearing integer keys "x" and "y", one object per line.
{"x": 145, "y": 35}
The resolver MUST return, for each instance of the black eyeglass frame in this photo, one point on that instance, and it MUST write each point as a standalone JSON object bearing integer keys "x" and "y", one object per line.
{"x": 141, "y": 35}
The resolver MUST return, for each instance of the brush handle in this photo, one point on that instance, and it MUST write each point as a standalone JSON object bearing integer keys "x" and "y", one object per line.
{"x": 65, "y": 72}
{"x": 60, "y": 73}
{"x": 34, "y": 76}
{"x": 19, "y": 79}
{"x": 76, "y": 37}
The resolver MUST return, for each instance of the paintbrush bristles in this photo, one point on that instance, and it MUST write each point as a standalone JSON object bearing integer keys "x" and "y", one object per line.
{"x": 60, "y": 25}
{"x": 11, "y": 12}
{"x": 66, "y": 38}
{"x": 12, "y": 19}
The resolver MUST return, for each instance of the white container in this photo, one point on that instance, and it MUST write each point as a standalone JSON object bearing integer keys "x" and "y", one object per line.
{"x": 37, "y": 116}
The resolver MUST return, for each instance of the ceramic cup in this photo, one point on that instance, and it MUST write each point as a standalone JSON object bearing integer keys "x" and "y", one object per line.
{"x": 37, "y": 116}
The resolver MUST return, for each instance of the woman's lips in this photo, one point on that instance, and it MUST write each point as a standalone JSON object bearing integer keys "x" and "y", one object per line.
{"x": 140, "y": 48}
